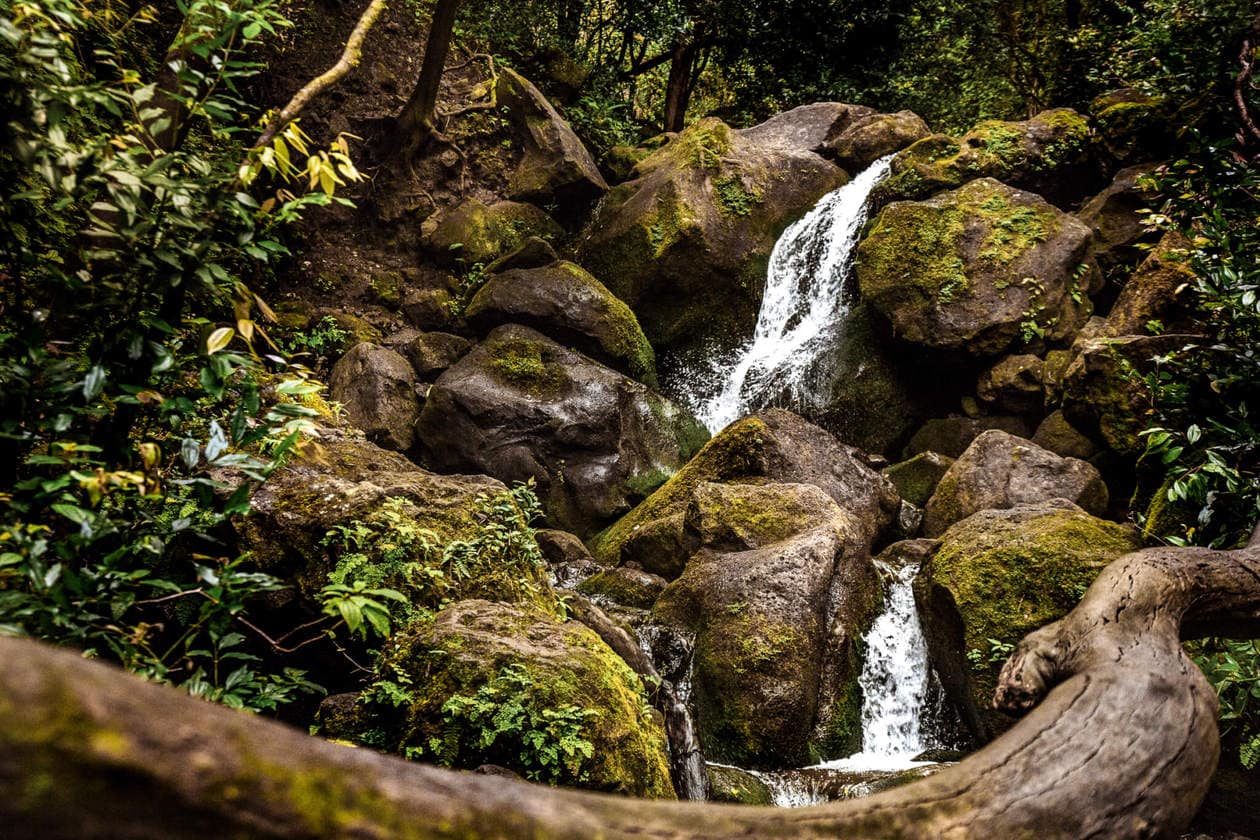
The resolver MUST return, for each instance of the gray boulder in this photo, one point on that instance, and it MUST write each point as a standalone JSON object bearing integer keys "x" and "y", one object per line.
{"x": 875, "y": 135}
{"x": 378, "y": 389}
{"x": 1002, "y": 471}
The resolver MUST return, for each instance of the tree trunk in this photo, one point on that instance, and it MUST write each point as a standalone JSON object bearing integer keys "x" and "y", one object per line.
{"x": 1122, "y": 742}
{"x": 417, "y": 118}
{"x": 678, "y": 89}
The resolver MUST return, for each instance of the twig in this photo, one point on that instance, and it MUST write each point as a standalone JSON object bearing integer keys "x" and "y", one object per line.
{"x": 1242, "y": 82}
{"x": 350, "y": 58}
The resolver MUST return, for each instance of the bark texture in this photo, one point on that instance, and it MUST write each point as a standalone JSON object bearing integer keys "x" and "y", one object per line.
{"x": 1121, "y": 741}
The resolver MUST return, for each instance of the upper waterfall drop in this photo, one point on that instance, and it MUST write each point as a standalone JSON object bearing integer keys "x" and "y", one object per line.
{"x": 804, "y": 299}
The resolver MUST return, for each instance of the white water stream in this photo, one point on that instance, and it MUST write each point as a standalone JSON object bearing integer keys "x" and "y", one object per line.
{"x": 805, "y": 297}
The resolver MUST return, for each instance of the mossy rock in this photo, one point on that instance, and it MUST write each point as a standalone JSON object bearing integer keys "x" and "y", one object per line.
{"x": 473, "y": 232}
{"x": 1133, "y": 127}
{"x": 1104, "y": 394}
{"x": 520, "y": 406}
{"x": 624, "y": 586}
{"x": 916, "y": 478}
{"x": 730, "y": 784}
{"x": 565, "y": 302}
{"x": 756, "y": 596}
{"x": 341, "y": 480}
{"x": 771, "y": 446}
{"x": 687, "y": 242}
{"x": 1050, "y": 154}
{"x": 536, "y": 665}
{"x": 980, "y": 269}
{"x": 999, "y": 575}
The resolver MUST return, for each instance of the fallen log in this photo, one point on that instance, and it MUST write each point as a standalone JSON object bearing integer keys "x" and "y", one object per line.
{"x": 1121, "y": 741}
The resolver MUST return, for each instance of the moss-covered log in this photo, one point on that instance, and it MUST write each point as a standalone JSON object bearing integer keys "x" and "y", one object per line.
{"x": 1122, "y": 742}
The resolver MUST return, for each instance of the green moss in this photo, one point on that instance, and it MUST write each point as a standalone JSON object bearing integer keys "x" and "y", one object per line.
{"x": 525, "y": 365}
{"x": 644, "y": 484}
{"x": 734, "y": 199}
{"x": 705, "y": 143}
{"x": 623, "y": 586}
{"x": 1012, "y": 231}
{"x": 918, "y": 247}
{"x": 730, "y": 784}
{"x": 387, "y": 288}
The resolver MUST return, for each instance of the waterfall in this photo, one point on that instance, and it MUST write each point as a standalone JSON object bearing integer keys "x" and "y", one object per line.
{"x": 894, "y": 681}
{"x": 805, "y": 297}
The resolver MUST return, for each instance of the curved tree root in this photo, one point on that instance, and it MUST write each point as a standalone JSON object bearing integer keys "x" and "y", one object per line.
{"x": 1121, "y": 741}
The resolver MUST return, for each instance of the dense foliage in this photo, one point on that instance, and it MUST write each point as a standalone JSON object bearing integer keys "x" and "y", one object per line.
{"x": 140, "y": 400}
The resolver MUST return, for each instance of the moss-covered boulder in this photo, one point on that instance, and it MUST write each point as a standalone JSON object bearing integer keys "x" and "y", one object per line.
{"x": 478, "y": 233}
{"x": 1158, "y": 296}
{"x": 556, "y": 167}
{"x": 756, "y": 597}
{"x": 1062, "y": 438}
{"x": 686, "y": 243}
{"x": 982, "y": 269}
{"x": 340, "y": 481}
{"x": 378, "y": 389}
{"x": 1000, "y": 470}
{"x": 624, "y": 586}
{"x": 492, "y": 683}
{"x": 565, "y": 302}
{"x": 875, "y": 135}
{"x": 520, "y": 406}
{"x": 773, "y": 446}
{"x": 950, "y": 436}
{"x": 997, "y": 576}
{"x": 730, "y": 784}
{"x": 916, "y": 478}
{"x": 1049, "y": 154}
{"x": 1133, "y": 127}
{"x": 1103, "y": 392}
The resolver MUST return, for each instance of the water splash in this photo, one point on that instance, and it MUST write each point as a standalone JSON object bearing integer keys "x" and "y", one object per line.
{"x": 805, "y": 297}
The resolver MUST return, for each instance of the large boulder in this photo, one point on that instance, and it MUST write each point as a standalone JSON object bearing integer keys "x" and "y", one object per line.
{"x": 773, "y": 446}
{"x": 982, "y": 269}
{"x": 475, "y": 232}
{"x": 1133, "y": 126}
{"x": 1000, "y": 470}
{"x": 377, "y": 386}
{"x": 998, "y": 575}
{"x": 808, "y": 128}
{"x": 1104, "y": 394}
{"x": 556, "y": 166}
{"x": 687, "y": 242}
{"x": 1115, "y": 216}
{"x": 875, "y": 135}
{"x": 520, "y": 406}
{"x": 756, "y": 597}
{"x": 566, "y": 303}
{"x": 493, "y": 683}
{"x": 1158, "y": 297}
{"x": 1049, "y": 154}
{"x": 338, "y": 480}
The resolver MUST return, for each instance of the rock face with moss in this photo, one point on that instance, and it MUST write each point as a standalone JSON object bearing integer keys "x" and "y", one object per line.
{"x": 772, "y": 446}
{"x": 1157, "y": 297}
{"x": 378, "y": 389}
{"x": 492, "y": 683}
{"x": 339, "y": 479}
{"x": 998, "y": 575}
{"x": 1133, "y": 127}
{"x": 1103, "y": 392}
{"x": 686, "y": 243}
{"x": 569, "y": 305}
{"x": 757, "y": 597}
{"x": 1050, "y": 154}
{"x": 1000, "y": 470}
{"x": 478, "y": 233}
{"x": 520, "y": 406}
{"x": 556, "y": 166}
{"x": 983, "y": 268}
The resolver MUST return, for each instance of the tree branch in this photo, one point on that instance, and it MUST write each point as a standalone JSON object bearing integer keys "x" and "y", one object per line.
{"x": 349, "y": 59}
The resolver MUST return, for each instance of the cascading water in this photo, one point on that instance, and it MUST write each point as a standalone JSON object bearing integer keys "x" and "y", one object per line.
{"x": 804, "y": 300}
{"x": 894, "y": 681}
